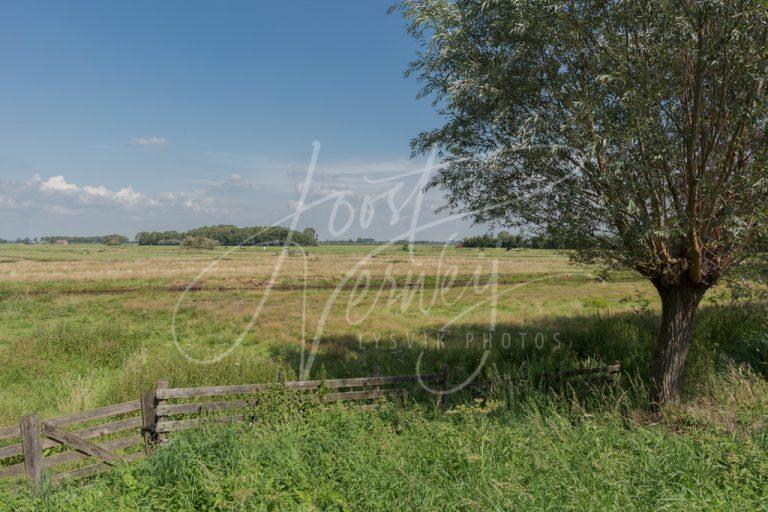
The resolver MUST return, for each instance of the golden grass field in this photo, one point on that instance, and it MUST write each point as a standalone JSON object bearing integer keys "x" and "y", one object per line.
{"x": 85, "y": 263}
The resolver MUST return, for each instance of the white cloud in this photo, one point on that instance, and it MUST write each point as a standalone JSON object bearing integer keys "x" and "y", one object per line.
{"x": 201, "y": 204}
{"x": 129, "y": 196}
{"x": 246, "y": 193}
{"x": 93, "y": 207}
{"x": 99, "y": 191}
{"x": 58, "y": 184}
{"x": 126, "y": 196}
{"x": 150, "y": 141}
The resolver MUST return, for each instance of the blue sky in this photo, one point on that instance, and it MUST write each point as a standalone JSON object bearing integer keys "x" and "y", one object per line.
{"x": 122, "y": 117}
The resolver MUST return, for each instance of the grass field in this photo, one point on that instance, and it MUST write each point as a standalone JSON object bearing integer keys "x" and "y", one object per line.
{"x": 85, "y": 326}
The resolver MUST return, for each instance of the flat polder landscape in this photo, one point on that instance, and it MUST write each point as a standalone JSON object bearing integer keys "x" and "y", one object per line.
{"x": 90, "y": 325}
{"x": 428, "y": 255}
{"x": 86, "y": 325}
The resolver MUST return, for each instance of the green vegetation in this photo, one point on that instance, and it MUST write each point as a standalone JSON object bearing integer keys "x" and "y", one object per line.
{"x": 543, "y": 453}
{"x": 229, "y": 235}
{"x": 115, "y": 240}
{"x": 507, "y": 240}
{"x": 84, "y": 328}
{"x": 105, "y": 239}
{"x": 616, "y": 128}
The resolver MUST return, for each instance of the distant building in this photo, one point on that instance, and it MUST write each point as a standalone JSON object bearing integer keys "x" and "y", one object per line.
{"x": 61, "y": 242}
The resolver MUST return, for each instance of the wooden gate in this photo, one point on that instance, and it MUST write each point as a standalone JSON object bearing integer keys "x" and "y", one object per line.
{"x": 64, "y": 446}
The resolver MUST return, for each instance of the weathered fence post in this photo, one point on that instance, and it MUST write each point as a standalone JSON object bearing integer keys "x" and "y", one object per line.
{"x": 161, "y": 384}
{"x": 149, "y": 417}
{"x": 148, "y": 420}
{"x": 32, "y": 449}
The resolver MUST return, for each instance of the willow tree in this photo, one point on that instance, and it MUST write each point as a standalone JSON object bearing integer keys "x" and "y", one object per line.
{"x": 633, "y": 130}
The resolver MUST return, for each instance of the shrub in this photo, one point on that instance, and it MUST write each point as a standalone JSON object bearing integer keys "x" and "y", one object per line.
{"x": 199, "y": 242}
{"x": 114, "y": 240}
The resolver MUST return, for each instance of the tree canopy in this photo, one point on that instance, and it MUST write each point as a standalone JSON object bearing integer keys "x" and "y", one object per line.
{"x": 229, "y": 235}
{"x": 634, "y": 131}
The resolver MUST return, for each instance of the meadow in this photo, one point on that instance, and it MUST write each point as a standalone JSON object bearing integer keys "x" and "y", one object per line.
{"x": 88, "y": 325}
{"x": 84, "y": 326}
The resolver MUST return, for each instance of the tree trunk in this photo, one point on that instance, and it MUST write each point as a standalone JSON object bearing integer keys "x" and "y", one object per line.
{"x": 678, "y": 306}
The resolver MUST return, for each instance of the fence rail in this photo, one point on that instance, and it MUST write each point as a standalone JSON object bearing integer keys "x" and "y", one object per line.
{"x": 103, "y": 437}
{"x": 34, "y": 437}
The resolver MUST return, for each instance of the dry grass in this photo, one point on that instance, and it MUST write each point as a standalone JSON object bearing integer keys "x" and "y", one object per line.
{"x": 52, "y": 263}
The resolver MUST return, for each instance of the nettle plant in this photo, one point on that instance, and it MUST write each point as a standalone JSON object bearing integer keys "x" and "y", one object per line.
{"x": 634, "y": 131}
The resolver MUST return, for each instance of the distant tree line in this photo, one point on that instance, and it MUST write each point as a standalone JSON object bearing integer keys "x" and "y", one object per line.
{"x": 229, "y": 235}
{"x": 357, "y": 241}
{"x": 508, "y": 240}
{"x": 373, "y": 241}
{"x": 104, "y": 239}
{"x": 19, "y": 240}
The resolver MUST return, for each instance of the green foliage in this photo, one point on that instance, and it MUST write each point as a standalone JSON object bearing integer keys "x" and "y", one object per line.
{"x": 229, "y": 235}
{"x": 310, "y": 236}
{"x": 634, "y": 132}
{"x": 159, "y": 238}
{"x": 199, "y": 242}
{"x": 508, "y": 241}
{"x": 479, "y": 241}
{"x": 115, "y": 240}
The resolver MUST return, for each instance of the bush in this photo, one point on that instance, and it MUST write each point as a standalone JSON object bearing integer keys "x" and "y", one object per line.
{"x": 199, "y": 242}
{"x": 114, "y": 240}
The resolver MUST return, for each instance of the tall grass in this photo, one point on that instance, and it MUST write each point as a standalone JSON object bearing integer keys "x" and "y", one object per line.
{"x": 544, "y": 453}
{"x": 524, "y": 447}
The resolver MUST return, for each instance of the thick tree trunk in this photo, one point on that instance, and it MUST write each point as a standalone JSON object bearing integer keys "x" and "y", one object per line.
{"x": 678, "y": 307}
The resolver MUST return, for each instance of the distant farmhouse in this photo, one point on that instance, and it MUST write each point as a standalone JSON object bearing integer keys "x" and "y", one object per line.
{"x": 61, "y": 242}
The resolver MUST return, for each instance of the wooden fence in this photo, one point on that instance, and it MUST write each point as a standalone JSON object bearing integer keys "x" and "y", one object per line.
{"x": 88, "y": 443}
{"x": 107, "y": 434}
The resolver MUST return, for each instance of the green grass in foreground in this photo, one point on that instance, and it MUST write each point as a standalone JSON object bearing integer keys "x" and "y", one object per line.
{"x": 543, "y": 453}
{"x": 525, "y": 450}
